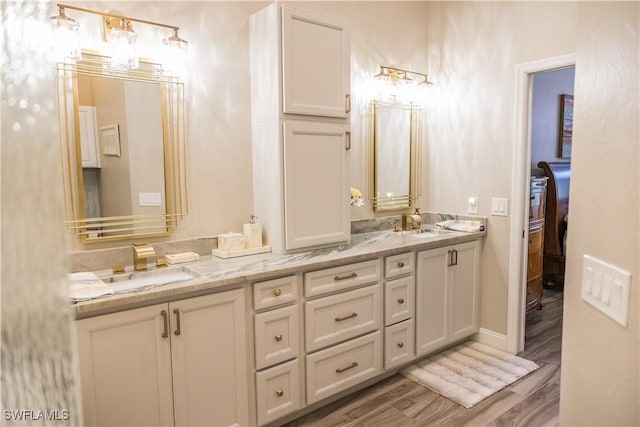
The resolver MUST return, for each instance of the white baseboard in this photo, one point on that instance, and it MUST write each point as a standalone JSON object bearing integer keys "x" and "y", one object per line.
{"x": 492, "y": 339}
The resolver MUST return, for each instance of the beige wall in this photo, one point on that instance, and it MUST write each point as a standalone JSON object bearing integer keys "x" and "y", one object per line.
{"x": 218, "y": 96}
{"x": 473, "y": 49}
{"x": 600, "y": 384}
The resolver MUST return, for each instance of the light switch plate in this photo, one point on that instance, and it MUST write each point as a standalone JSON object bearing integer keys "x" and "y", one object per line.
{"x": 150, "y": 199}
{"x": 472, "y": 205}
{"x": 606, "y": 287}
{"x": 499, "y": 206}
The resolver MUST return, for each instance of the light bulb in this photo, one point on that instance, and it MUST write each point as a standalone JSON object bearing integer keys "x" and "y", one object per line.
{"x": 66, "y": 38}
{"x": 175, "y": 55}
{"x": 123, "y": 47}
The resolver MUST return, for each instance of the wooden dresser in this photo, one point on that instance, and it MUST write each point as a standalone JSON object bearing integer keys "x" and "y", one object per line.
{"x": 536, "y": 242}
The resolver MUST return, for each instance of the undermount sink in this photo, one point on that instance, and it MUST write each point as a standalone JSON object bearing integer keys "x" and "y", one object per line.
{"x": 141, "y": 280}
{"x": 425, "y": 233}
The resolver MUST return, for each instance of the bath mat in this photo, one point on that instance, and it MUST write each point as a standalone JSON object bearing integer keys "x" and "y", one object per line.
{"x": 469, "y": 372}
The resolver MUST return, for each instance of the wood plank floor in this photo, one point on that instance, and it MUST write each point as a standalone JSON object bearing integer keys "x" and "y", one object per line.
{"x": 397, "y": 401}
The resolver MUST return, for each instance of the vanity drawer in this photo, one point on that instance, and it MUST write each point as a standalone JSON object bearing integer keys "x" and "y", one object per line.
{"x": 339, "y": 278}
{"x": 397, "y": 265}
{"x": 342, "y": 366}
{"x": 399, "y": 298}
{"x": 275, "y": 292}
{"x": 278, "y": 391}
{"x": 398, "y": 344}
{"x": 336, "y": 318}
{"x": 276, "y": 336}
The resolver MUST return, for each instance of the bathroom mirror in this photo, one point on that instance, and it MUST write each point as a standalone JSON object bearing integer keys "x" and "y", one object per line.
{"x": 395, "y": 161}
{"x": 122, "y": 140}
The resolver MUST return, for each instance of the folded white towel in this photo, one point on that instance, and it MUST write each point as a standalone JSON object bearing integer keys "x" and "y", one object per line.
{"x": 84, "y": 286}
{"x": 461, "y": 225}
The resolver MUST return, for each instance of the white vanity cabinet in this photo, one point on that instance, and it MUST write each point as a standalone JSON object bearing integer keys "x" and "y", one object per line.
{"x": 89, "y": 146}
{"x": 151, "y": 365}
{"x": 300, "y": 102}
{"x": 343, "y": 319}
{"x": 447, "y": 295}
{"x": 277, "y": 348}
{"x": 399, "y": 309}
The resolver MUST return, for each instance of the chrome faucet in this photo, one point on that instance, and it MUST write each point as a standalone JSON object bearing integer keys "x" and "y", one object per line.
{"x": 142, "y": 251}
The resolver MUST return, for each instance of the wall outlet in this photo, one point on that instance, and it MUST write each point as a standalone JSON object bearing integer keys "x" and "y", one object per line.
{"x": 606, "y": 287}
{"x": 472, "y": 204}
{"x": 499, "y": 206}
{"x": 150, "y": 199}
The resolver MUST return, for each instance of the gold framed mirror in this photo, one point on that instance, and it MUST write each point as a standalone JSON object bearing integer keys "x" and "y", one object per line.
{"x": 395, "y": 155}
{"x": 123, "y": 149}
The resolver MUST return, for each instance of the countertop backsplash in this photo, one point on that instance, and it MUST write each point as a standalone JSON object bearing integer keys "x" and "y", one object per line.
{"x": 103, "y": 259}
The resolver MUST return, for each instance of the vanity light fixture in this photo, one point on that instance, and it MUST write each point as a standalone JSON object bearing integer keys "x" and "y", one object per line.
{"x": 399, "y": 76}
{"x": 118, "y": 31}
{"x": 398, "y": 84}
{"x": 65, "y": 34}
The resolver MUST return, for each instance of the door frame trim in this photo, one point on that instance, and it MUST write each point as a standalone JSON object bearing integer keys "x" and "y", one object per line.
{"x": 521, "y": 170}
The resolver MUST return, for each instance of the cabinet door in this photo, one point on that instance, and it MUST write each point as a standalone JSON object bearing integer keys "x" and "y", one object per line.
{"x": 464, "y": 290}
{"x": 315, "y": 64}
{"x": 209, "y": 356}
{"x": 89, "y": 136}
{"x": 432, "y": 308}
{"x": 125, "y": 368}
{"x": 316, "y": 181}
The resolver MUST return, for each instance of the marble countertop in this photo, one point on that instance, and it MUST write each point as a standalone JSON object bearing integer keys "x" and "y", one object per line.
{"x": 217, "y": 274}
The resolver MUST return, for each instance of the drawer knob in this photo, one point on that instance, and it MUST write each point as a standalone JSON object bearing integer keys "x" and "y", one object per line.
{"x": 279, "y": 393}
{"x": 349, "y": 316}
{"x": 340, "y": 370}
{"x": 277, "y": 292}
{"x": 401, "y": 301}
{"x": 400, "y": 264}
{"x": 350, "y": 276}
{"x": 400, "y": 344}
{"x": 278, "y": 337}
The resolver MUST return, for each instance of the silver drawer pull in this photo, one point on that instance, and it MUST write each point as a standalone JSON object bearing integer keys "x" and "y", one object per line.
{"x": 400, "y": 264}
{"x": 401, "y": 301}
{"x": 279, "y": 393}
{"x": 350, "y": 316}
{"x": 351, "y": 276}
{"x": 278, "y": 337}
{"x": 340, "y": 370}
{"x": 277, "y": 292}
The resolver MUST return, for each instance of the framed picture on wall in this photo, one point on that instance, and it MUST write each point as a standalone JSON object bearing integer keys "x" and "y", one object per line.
{"x": 565, "y": 126}
{"x": 110, "y": 140}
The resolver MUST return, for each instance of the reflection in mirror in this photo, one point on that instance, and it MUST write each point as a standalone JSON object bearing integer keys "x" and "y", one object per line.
{"x": 122, "y": 137}
{"x": 127, "y": 176}
{"x": 395, "y": 159}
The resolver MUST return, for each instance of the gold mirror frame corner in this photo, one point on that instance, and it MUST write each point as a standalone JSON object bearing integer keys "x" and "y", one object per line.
{"x": 404, "y": 201}
{"x": 102, "y": 229}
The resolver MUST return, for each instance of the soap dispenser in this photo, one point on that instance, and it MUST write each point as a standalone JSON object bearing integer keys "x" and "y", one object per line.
{"x": 252, "y": 234}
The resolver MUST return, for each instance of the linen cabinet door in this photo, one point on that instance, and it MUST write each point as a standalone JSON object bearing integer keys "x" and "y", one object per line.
{"x": 125, "y": 368}
{"x": 316, "y": 181}
{"x": 316, "y": 65}
{"x": 209, "y": 359}
{"x": 432, "y": 308}
{"x": 464, "y": 290}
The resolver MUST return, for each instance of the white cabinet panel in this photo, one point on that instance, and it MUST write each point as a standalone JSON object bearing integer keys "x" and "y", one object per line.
{"x": 89, "y": 146}
{"x": 209, "y": 360}
{"x": 341, "y": 278}
{"x": 279, "y": 391}
{"x": 398, "y": 300}
{"x": 315, "y": 63}
{"x": 398, "y": 265}
{"x": 336, "y": 318}
{"x": 316, "y": 182}
{"x": 447, "y": 295}
{"x": 271, "y": 293}
{"x": 125, "y": 368}
{"x": 398, "y": 344}
{"x": 276, "y": 336}
{"x": 342, "y": 366}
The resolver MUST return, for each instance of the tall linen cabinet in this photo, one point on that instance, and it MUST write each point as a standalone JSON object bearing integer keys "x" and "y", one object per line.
{"x": 300, "y": 102}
